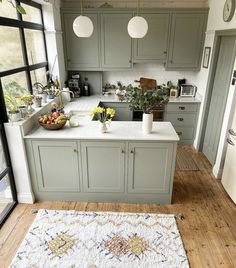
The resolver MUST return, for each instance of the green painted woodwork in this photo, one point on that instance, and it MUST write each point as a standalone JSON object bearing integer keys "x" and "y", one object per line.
{"x": 103, "y": 166}
{"x": 181, "y": 119}
{"x": 153, "y": 47}
{"x": 56, "y": 165}
{"x": 149, "y": 167}
{"x": 123, "y": 112}
{"x": 107, "y": 171}
{"x": 186, "y": 41}
{"x": 219, "y": 96}
{"x": 115, "y": 41}
{"x": 81, "y": 53}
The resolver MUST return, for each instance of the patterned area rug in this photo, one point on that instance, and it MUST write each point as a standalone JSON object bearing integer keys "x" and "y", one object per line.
{"x": 184, "y": 161}
{"x": 71, "y": 239}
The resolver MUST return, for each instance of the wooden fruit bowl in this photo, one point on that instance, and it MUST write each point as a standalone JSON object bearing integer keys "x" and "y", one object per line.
{"x": 53, "y": 126}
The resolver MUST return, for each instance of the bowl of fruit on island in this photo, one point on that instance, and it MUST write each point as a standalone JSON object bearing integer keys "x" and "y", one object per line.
{"x": 53, "y": 121}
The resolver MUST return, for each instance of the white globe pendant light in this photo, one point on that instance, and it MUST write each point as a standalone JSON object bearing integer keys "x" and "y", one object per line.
{"x": 82, "y": 25}
{"x": 137, "y": 26}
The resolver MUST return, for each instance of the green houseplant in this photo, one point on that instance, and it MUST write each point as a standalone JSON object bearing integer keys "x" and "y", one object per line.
{"x": 147, "y": 101}
{"x": 12, "y": 104}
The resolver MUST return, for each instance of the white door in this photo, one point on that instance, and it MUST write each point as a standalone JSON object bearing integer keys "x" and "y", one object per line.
{"x": 229, "y": 172}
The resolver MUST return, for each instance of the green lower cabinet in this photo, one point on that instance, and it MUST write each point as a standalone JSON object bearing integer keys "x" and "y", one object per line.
{"x": 150, "y": 167}
{"x": 123, "y": 112}
{"x": 56, "y": 166}
{"x": 103, "y": 166}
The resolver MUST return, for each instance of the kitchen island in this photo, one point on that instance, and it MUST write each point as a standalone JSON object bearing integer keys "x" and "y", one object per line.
{"x": 123, "y": 165}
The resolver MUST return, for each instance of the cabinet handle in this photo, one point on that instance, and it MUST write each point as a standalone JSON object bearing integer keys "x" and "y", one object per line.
{"x": 181, "y": 107}
{"x": 179, "y": 133}
{"x": 132, "y": 151}
{"x": 165, "y": 52}
{"x": 180, "y": 119}
{"x": 171, "y": 61}
{"x": 130, "y": 61}
{"x": 231, "y": 132}
{"x": 122, "y": 151}
{"x": 75, "y": 151}
{"x": 230, "y": 141}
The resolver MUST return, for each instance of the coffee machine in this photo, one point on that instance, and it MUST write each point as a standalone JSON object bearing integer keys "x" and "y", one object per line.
{"x": 74, "y": 85}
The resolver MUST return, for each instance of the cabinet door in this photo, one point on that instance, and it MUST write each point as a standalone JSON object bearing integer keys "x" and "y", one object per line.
{"x": 103, "y": 166}
{"x": 153, "y": 47}
{"x": 115, "y": 41}
{"x": 57, "y": 165}
{"x": 186, "y": 41}
{"x": 150, "y": 167}
{"x": 81, "y": 53}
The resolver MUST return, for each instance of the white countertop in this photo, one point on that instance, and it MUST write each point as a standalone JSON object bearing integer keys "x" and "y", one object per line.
{"x": 118, "y": 130}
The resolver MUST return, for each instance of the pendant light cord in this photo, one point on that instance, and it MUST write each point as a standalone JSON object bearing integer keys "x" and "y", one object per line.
{"x": 81, "y": 7}
{"x": 138, "y": 7}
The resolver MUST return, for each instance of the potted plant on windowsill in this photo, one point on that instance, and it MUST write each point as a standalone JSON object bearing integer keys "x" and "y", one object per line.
{"x": 12, "y": 104}
{"x": 147, "y": 101}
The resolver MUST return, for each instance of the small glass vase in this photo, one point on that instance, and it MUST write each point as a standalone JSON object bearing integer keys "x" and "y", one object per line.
{"x": 103, "y": 127}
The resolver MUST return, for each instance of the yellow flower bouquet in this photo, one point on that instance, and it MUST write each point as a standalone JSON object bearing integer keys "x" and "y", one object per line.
{"x": 103, "y": 114}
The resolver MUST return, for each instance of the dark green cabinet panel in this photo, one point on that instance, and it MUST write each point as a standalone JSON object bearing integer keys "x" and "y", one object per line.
{"x": 103, "y": 166}
{"x": 153, "y": 47}
{"x": 115, "y": 41}
{"x": 56, "y": 165}
{"x": 81, "y": 53}
{"x": 186, "y": 41}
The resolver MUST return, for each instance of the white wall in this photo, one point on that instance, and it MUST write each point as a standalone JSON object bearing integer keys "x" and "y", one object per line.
{"x": 215, "y": 22}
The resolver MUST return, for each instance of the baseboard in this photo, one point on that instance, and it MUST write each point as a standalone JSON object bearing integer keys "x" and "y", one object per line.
{"x": 217, "y": 172}
{"x": 25, "y": 198}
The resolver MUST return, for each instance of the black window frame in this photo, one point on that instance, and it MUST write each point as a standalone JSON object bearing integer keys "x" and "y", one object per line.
{"x": 27, "y": 68}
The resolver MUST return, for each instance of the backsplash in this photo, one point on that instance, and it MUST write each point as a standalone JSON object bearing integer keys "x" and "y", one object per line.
{"x": 155, "y": 71}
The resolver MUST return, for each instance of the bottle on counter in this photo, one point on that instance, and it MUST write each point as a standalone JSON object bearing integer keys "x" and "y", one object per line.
{"x": 66, "y": 96}
{"x": 86, "y": 87}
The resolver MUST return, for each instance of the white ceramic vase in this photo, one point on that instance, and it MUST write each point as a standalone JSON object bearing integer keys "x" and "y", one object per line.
{"x": 147, "y": 123}
{"x": 15, "y": 117}
{"x": 103, "y": 127}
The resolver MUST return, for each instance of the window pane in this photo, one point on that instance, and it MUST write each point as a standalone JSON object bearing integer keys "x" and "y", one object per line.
{"x": 5, "y": 194}
{"x": 10, "y": 53}
{"x": 33, "y": 14}
{"x": 35, "y": 46}
{"x": 7, "y": 10}
{"x": 15, "y": 84}
{"x": 39, "y": 75}
{"x": 2, "y": 158}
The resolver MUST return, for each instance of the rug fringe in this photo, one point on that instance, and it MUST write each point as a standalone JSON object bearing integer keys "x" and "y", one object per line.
{"x": 34, "y": 210}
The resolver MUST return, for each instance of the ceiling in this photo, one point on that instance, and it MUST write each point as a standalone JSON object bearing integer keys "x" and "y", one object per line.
{"x": 143, "y": 3}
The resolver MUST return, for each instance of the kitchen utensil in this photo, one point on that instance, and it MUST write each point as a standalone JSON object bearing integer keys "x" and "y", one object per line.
{"x": 147, "y": 83}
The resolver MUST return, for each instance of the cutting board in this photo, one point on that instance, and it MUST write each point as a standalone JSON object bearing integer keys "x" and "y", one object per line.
{"x": 147, "y": 83}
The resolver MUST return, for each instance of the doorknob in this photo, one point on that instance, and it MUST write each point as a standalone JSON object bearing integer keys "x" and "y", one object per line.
{"x": 231, "y": 132}
{"x": 230, "y": 141}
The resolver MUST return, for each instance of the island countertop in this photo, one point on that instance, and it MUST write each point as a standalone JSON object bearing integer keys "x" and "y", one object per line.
{"x": 118, "y": 130}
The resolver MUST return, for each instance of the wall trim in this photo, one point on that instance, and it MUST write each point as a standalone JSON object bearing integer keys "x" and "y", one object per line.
{"x": 26, "y": 198}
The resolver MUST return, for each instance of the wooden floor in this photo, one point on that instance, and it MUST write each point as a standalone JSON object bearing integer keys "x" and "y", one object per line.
{"x": 208, "y": 229}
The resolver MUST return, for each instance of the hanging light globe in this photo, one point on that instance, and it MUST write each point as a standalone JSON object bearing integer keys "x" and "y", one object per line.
{"x": 83, "y": 26}
{"x": 137, "y": 27}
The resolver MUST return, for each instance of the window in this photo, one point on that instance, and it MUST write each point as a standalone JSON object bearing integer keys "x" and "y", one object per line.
{"x": 23, "y": 57}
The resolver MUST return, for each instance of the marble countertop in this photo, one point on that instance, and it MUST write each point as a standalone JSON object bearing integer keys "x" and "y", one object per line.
{"x": 118, "y": 130}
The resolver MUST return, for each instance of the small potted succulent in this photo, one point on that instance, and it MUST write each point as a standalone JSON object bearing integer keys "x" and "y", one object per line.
{"x": 12, "y": 104}
{"x": 147, "y": 101}
{"x": 37, "y": 100}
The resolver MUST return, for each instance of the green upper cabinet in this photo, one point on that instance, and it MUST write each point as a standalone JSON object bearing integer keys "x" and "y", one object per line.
{"x": 81, "y": 53}
{"x": 186, "y": 41}
{"x": 153, "y": 47}
{"x": 116, "y": 44}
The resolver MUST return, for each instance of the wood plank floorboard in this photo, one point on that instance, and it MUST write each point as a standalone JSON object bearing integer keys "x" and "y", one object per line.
{"x": 208, "y": 229}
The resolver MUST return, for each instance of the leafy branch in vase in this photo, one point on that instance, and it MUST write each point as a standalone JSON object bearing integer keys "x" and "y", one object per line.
{"x": 18, "y": 7}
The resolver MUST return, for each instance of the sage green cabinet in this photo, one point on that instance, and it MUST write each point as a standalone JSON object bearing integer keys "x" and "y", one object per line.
{"x": 153, "y": 47}
{"x": 56, "y": 166}
{"x": 150, "y": 167}
{"x": 123, "y": 112}
{"x": 115, "y": 41}
{"x": 186, "y": 41}
{"x": 103, "y": 166}
{"x": 81, "y": 53}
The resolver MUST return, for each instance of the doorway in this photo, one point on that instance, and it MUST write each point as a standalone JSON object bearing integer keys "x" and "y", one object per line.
{"x": 218, "y": 92}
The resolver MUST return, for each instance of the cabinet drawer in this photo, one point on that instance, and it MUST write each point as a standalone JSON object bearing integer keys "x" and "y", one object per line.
{"x": 181, "y": 107}
{"x": 181, "y": 119}
{"x": 185, "y": 133}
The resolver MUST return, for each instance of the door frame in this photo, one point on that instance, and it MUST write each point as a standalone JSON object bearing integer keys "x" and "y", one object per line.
{"x": 210, "y": 82}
